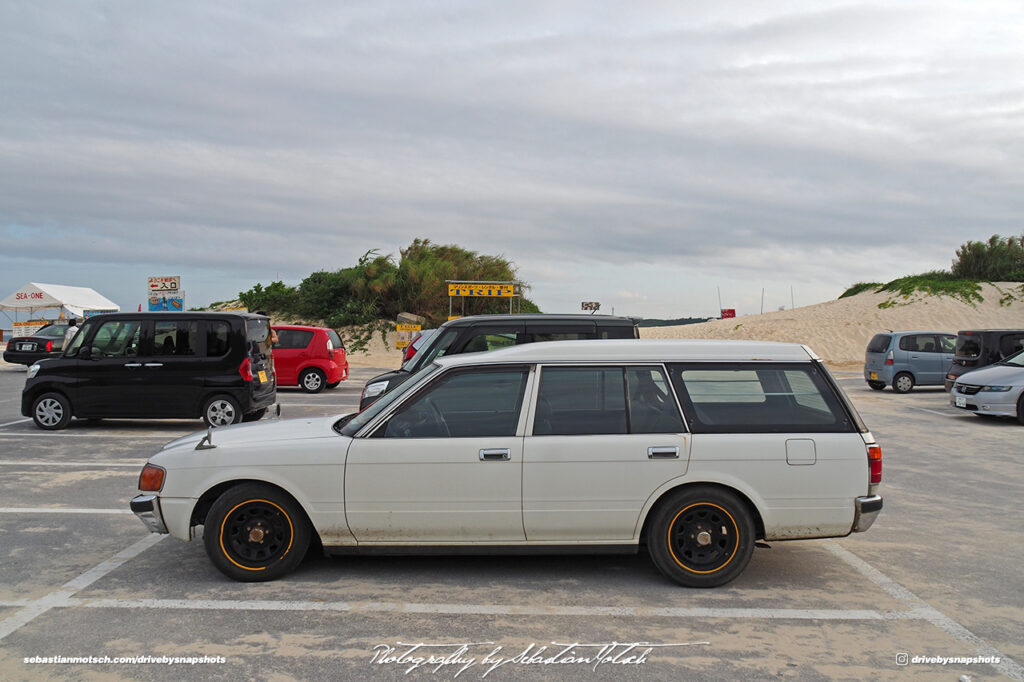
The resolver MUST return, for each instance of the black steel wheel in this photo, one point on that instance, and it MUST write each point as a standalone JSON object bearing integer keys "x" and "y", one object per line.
{"x": 255, "y": 533}
{"x": 312, "y": 381}
{"x": 51, "y": 411}
{"x": 877, "y": 385}
{"x": 701, "y": 537}
{"x": 903, "y": 382}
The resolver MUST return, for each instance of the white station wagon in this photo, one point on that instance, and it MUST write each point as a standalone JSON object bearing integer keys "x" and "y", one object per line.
{"x": 694, "y": 449}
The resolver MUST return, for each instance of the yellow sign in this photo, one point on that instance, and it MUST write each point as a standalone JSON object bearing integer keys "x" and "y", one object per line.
{"x": 454, "y": 317}
{"x": 405, "y": 332}
{"x": 491, "y": 290}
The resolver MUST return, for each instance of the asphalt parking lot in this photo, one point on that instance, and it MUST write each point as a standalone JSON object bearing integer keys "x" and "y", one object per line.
{"x": 938, "y": 576}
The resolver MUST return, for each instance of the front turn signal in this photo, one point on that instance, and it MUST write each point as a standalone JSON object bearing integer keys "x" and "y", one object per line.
{"x": 151, "y": 480}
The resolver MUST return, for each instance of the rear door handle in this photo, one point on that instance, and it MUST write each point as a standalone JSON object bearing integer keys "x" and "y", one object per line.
{"x": 495, "y": 454}
{"x": 663, "y": 453}
{"x": 154, "y": 364}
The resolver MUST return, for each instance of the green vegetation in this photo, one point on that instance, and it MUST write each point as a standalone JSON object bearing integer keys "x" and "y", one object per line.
{"x": 997, "y": 260}
{"x": 377, "y": 288}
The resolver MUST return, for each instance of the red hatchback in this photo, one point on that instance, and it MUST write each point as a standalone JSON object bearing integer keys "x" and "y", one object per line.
{"x": 309, "y": 357}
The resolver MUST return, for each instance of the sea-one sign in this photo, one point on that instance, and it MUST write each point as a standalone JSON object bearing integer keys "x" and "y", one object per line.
{"x": 29, "y": 296}
{"x": 164, "y": 285}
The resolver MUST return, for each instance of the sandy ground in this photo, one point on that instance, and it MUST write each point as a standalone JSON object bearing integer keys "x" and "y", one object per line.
{"x": 838, "y": 331}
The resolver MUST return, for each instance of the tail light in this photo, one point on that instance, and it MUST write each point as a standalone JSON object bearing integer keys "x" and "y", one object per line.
{"x": 245, "y": 369}
{"x": 49, "y": 346}
{"x": 889, "y": 358}
{"x": 875, "y": 463}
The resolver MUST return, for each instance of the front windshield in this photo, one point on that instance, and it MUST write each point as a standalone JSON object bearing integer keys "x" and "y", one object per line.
{"x": 353, "y": 424}
{"x": 437, "y": 345}
{"x": 1017, "y": 359}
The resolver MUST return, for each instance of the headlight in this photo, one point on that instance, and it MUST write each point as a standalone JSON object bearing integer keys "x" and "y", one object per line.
{"x": 373, "y": 390}
{"x": 32, "y": 371}
{"x": 999, "y": 389}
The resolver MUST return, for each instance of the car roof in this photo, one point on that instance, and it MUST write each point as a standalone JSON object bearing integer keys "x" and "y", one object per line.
{"x": 304, "y": 327}
{"x": 546, "y": 318}
{"x": 638, "y": 350}
{"x": 175, "y": 315}
{"x": 902, "y": 332}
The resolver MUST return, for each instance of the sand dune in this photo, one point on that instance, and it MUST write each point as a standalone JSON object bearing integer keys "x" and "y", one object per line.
{"x": 839, "y": 330}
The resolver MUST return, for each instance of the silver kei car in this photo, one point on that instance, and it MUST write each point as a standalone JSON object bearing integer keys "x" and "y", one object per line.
{"x": 996, "y": 390}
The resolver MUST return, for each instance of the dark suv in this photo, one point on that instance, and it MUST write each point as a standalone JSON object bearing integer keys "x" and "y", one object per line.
{"x": 982, "y": 347}
{"x": 489, "y": 332}
{"x": 217, "y": 366}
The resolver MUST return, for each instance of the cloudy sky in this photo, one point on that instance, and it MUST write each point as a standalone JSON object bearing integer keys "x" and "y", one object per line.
{"x": 646, "y": 155}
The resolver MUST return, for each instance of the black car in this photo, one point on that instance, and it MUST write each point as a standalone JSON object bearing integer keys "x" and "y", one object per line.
{"x": 45, "y": 343}
{"x": 217, "y": 366}
{"x": 977, "y": 348}
{"x": 489, "y": 332}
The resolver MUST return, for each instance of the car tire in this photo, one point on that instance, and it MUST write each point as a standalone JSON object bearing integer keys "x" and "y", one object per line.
{"x": 254, "y": 416}
{"x": 312, "y": 381}
{"x": 877, "y": 385}
{"x": 333, "y": 384}
{"x": 903, "y": 382}
{"x": 255, "y": 533}
{"x": 1020, "y": 409}
{"x": 701, "y": 536}
{"x": 51, "y": 411}
{"x": 221, "y": 410}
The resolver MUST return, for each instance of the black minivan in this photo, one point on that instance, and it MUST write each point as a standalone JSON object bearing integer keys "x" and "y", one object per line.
{"x": 173, "y": 365}
{"x": 977, "y": 348}
{"x": 488, "y": 332}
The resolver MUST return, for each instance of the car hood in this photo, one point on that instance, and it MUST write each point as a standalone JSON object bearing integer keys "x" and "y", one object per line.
{"x": 994, "y": 375}
{"x": 263, "y": 432}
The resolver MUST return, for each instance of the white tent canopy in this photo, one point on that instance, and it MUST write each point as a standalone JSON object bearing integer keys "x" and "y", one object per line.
{"x": 76, "y": 300}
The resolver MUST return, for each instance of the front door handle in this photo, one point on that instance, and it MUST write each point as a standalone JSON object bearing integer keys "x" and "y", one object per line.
{"x": 663, "y": 453}
{"x": 133, "y": 364}
{"x": 495, "y": 454}
{"x": 154, "y": 364}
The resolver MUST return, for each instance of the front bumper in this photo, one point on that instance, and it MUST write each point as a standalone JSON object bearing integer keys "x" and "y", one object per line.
{"x": 147, "y": 508}
{"x": 867, "y": 509}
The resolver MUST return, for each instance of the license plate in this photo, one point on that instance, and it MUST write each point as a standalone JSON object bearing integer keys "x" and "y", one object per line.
{"x": 961, "y": 401}
{"x": 263, "y": 377}
{"x": 874, "y": 376}
{"x": 26, "y": 346}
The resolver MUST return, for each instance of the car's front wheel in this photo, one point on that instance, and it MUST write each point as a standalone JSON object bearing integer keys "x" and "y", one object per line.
{"x": 1020, "y": 409}
{"x": 51, "y": 411}
{"x": 333, "y": 384}
{"x": 701, "y": 537}
{"x": 255, "y": 533}
{"x": 903, "y": 382}
{"x": 221, "y": 410}
{"x": 312, "y": 381}
{"x": 877, "y": 385}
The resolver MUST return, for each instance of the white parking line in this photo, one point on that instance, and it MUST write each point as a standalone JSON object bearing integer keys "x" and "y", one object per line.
{"x": 491, "y": 609}
{"x": 60, "y": 596}
{"x": 954, "y": 415}
{"x": 60, "y": 510}
{"x": 924, "y": 611}
{"x": 20, "y": 421}
{"x": 47, "y": 434}
{"x": 37, "y": 463}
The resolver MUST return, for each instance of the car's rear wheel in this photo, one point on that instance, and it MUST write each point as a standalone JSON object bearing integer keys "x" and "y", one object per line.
{"x": 877, "y": 385}
{"x": 333, "y": 384}
{"x": 221, "y": 410}
{"x": 1020, "y": 409}
{"x": 254, "y": 533}
{"x": 701, "y": 537}
{"x": 51, "y": 411}
{"x": 903, "y": 382}
{"x": 312, "y": 381}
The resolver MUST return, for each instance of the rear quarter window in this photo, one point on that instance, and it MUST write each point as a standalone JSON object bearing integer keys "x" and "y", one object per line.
{"x": 879, "y": 343}
{"x": 748, "y": 398}
{"x": 1011, "y": 343}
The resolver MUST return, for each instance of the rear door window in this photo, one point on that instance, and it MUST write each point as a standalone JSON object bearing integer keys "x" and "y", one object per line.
{"x": 748, "y": 398}
{"x": 175, "y": 337}
{"x": 921, "y": 343}
{"x": 293, "y": 339}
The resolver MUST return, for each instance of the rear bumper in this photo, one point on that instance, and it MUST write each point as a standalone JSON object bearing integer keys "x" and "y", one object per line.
{"x": 866, "y": 510}
{"x": 147, "y": 508}
{"x": 17, "y": 357}
{"x": 882, "y": 374}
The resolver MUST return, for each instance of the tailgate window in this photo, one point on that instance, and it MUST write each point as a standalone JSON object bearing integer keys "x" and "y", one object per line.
{"x": 968, "y": 345}
{"x": 257, "y": 333}
{"x": 879, "y": 343}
